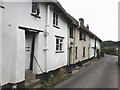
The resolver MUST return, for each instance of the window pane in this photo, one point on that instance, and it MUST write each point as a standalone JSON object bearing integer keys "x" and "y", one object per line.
{"x": 53, "y": 21}
{"x": 61, "y": 40}
{"x": 56, "y": 23}
{"x": 34, "y": 7}
{"x": 57, "y": 47}
{"x": 71, "y": 32}
{"x": 56, "y": 16}
{"x": 57, "y": 41}
{"x": 53, "y": 15}
{"x": 60, "y": 47}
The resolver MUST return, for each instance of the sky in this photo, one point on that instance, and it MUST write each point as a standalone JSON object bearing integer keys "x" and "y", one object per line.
{"x": 101, "y": 15}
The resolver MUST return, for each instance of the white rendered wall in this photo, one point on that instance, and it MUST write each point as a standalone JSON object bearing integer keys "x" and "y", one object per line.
{"x": 18, "y": 14}
{"x": 92, "y": 40}
{"x": 57, "y": 60}
{"x": 0, "y": 44}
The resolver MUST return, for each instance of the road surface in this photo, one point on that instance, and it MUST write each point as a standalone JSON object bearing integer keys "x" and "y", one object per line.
{"x": 100, "y": 74}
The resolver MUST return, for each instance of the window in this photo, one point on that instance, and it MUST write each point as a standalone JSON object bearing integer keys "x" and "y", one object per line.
{"x": 55, "y": 19}
{"x": 59, "y": 44}
{"x": 35, "y": 9}
{"x": 83, "y": 51}
{"x": 76, "y": 52}
{"x": 71, "y": 32}
{"x": 82, "y": 36}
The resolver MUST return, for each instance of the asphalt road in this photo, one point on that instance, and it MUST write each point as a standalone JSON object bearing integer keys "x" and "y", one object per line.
{"x": 100, "y": 74}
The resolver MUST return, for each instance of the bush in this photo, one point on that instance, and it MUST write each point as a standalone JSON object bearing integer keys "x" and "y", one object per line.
{"x": 110, "y": 51}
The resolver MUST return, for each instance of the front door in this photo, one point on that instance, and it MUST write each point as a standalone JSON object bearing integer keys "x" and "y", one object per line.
{"x": 30, "y": 41}
{"x": 70, "y": 55}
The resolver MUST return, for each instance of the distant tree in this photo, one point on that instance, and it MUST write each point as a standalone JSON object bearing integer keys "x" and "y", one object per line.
{"x": 110, "y": 51}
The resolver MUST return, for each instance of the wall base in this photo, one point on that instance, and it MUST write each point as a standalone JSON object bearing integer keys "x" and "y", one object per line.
{"x": 13, "y": 86}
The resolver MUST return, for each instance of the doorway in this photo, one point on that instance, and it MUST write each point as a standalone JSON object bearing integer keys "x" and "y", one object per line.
{"x": 29, "y": 52}
{"x": 29, "y": 49}
{"x": 70, "y": 55}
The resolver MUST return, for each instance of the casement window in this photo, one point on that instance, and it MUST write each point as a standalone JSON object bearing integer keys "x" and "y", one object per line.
{"x": 1, "y": 4}
{"x": 55, "y": 19}
{"x": 83, "y": 51}
{"x": 71, "y": 32}
{"x": 59, "y": 44}
{"x": 35, "y": 9}
{"x": 76, "y": 52}
{"x": 82, "y": 36}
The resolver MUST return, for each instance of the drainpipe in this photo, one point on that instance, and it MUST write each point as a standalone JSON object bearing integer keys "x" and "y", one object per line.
{"x": 46, "y": 33}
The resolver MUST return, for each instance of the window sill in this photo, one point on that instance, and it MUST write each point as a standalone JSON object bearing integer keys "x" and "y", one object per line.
{"x": 59, "y": 52}
{"x": 71, "y": 37}
{"x": 37, "y": 16}
{"x": 2, "y": 7}
{"x": 56, "y": 26}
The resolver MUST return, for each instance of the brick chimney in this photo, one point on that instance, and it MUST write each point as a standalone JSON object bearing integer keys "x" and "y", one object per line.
{"x": 81, "y": 22}
{"x": 87, "y": 27}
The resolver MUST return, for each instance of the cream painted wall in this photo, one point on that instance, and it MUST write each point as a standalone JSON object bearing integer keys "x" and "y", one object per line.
{"x": 80, "y": 44}
{"x": 71, "y": 57}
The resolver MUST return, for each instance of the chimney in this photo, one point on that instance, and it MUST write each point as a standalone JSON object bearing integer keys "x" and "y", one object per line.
{"x": 87, "y": 27}
{"x": 81, "y": 22}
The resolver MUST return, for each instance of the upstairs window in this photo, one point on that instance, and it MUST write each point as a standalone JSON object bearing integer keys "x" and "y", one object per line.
{"x": 35, "y": 9}
{"x": 55, "y": 19}
{"x": 71, "y": 32}
{"x": 82, "y": 36}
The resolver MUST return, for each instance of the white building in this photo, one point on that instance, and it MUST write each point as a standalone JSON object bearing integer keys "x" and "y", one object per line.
{"x": 34, "y": 38}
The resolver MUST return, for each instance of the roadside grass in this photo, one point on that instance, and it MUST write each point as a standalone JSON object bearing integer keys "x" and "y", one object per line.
{"x": 62, "y": 75}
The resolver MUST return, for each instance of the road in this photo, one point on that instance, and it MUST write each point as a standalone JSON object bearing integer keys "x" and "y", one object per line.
{"x": 100, "y": 74}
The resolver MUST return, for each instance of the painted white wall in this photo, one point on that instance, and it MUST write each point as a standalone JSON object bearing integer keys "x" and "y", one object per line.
{"x": 18, "y": 14}
{"x": 0, "y": 44}
{"x": 57, "y": 60}
{"x": 13, "y": 45}
{"x": 92, "y": 42}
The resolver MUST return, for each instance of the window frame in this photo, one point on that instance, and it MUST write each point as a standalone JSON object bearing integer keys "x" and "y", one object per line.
{"x": 59, "y": 44}
{"x": 82, "y": 36}
{"x": 55, "y": 20}
{"x": 35, "y": 9}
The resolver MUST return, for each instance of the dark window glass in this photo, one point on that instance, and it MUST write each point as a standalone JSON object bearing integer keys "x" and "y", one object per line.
{"x": 71, "y": 32}
{"x": 35, "y": 8}
{"x": 55, "y": 19}
{"x": 83, "y": 51}
{"x": 76, "y": 52}
{"x": 80, "y": 35}
{"x": 57, "y": 41}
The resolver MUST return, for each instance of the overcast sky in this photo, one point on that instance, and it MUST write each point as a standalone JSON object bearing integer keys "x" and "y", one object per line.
{"x": 101, "y": 15}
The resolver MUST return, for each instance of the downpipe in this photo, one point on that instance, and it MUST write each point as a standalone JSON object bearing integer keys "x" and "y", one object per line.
{"x": 46, "y": 34}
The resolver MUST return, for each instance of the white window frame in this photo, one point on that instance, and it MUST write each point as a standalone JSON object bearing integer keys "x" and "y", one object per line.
{"x": 55, "y": 19}
{"x": 59, "y": 45}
